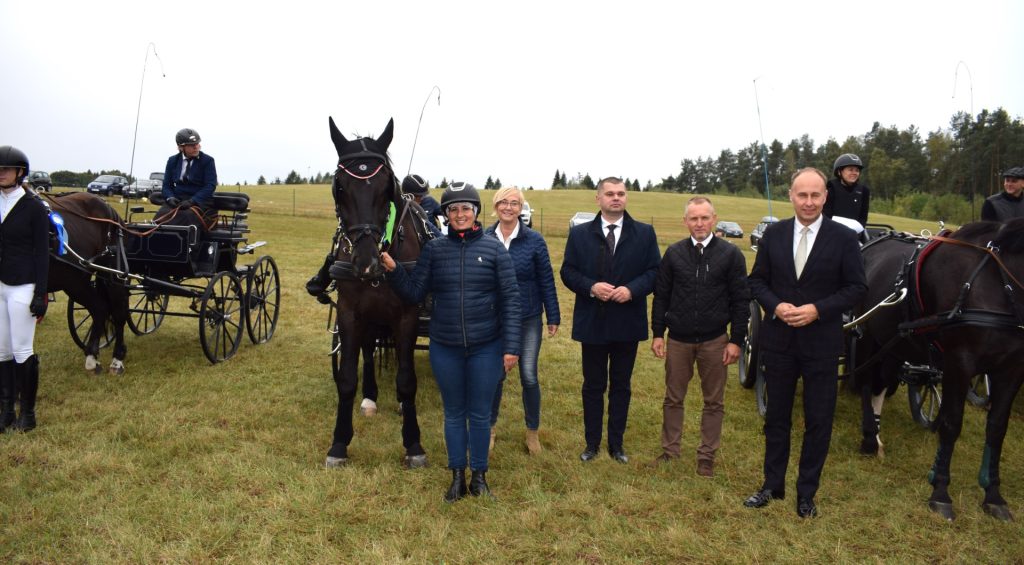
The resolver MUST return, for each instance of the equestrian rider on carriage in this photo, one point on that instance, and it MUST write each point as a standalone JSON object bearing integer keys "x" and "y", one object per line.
{"x": 847, "y": 197}
{"x": 189, "y": 181}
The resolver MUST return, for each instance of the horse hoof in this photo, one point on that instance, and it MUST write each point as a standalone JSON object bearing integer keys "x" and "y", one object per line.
{"x": 997, "y": 511}
{"x": 415, "y": 461}
{"x": 336, "y": 462}
{"x": 98, "y": 370}
{"x": 944, "y": 509}
{"x": 868, "y": 447}
{"x": 116, "y": 371}
{"x": 368, "y": 407}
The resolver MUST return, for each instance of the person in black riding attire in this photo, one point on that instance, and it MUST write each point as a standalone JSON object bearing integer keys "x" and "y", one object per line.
{"x": 190, "y": 179}
{"x": 1008, "y": 204}
{"x": 847, "y": 197}
{"x": 417, "y": 187}
{"x": 24, "y": 266}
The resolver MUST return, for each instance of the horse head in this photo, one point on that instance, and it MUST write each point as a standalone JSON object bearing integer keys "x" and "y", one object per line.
{"x": 366, "y": 196}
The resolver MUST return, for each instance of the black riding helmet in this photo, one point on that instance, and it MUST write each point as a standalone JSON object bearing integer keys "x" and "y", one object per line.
{"x": 414, "y": 184}
{"x": 14, "y": 157}
{"x": 846, "y": 160}
{"x": 187, "y": 136}
{"x": 460, "y": 192}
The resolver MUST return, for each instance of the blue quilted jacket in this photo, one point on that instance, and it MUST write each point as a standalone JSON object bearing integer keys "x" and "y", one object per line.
{"x": 533, "y": 271}
{"x": 476, "y": 298}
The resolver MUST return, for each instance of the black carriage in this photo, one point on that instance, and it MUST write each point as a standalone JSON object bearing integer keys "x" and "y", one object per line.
{"x": 155, "y": 262}
{"x": 924, "y": 382}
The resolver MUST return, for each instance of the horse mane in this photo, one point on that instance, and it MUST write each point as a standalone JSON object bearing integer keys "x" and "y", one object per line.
{"x": 1008, "y": 236}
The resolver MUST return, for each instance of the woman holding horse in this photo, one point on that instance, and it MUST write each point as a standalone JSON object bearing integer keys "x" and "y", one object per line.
{"x": 24, "y": 260}
{"x": 537, "y": 295}
{"x": 474, "y": 329}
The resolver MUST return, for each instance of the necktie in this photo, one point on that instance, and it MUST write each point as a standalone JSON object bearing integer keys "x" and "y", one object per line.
{"x": 700, "y": 248}
{"x": 801, "y": 251}
{"x": 188, "y": 169}
{"x": 610, "y": 238}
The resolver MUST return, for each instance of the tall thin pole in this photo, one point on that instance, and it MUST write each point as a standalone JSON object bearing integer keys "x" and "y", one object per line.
{"x": 970, "y": 84}
{"x": 138, "y": 109}
{"x": 764, "y": 149}
{"x": 415, "y": 139}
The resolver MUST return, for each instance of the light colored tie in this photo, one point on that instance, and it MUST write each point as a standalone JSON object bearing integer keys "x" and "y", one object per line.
{"x": 801, "y": 251}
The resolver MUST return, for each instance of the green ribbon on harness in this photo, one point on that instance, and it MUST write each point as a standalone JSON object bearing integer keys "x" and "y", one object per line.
{"x": 390, "y": 227}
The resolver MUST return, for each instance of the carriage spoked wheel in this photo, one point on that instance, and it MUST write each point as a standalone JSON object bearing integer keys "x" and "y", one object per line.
{"x": 146, "y": 309}
{"x": 925, "y": 400}
{"x": 79, "y": 322}
{"x": 220, "y": 317}
{"x": 748, "y": 362}
{"x": 978, "y": 394}
{"x": 262, "y": 297}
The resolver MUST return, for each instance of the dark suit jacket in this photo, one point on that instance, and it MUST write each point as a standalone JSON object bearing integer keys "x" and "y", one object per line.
{"x": 200, "y": 184}
{"x": 634, "y": 265}
{"x": 25, "y": 244}
{"x": 833, "y": 280}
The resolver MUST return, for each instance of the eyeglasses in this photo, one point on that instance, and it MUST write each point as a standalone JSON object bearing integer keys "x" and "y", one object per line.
{"x": 460, "y": 208}
{"x": 509, "y": 204}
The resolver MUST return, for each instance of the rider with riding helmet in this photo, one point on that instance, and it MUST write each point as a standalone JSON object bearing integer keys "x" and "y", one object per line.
{"x": 1008, "y": 204}
{"x": 847, "y": 197}
{"x": 474, "y": 329}
{"x": 189, "y": 181}
{"x": 417, "y": 187}
{"x": 24, "y": 265}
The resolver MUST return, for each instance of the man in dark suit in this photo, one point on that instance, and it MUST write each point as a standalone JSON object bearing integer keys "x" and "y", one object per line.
{"x": 189, "y": 181}
{"x": 807, "y": 272}
{"x": 611, "y": 264}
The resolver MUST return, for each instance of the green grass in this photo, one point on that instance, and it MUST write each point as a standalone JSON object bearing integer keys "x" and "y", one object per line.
{"x": 182, "y": 461}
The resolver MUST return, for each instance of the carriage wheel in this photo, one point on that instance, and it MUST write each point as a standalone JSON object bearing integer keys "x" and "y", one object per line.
{"x": 262, "y": 297}
{"x": 220, "y": 317}
{"x": 978, "y": 394}
{"x": 748, "y": 368}
{"x": 79, "y": 322}
{"x": 925, "y": 401}
{"x": 146, "y": 310}
{"x": 761, "y": 393}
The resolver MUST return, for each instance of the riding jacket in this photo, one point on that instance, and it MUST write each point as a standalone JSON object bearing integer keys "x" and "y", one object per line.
{"x": 1002, "y": 207}
{"x": 698, "y": 296}
{"x": 476, "y": 298}
{"x": 25, "y": 243}
{"x": 536, "y": 278}
{"x": 197, "y": 186}
{"x": 847, "y": 201}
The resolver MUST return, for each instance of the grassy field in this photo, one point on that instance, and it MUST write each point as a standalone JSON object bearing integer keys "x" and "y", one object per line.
{"x": 182, "y": 461}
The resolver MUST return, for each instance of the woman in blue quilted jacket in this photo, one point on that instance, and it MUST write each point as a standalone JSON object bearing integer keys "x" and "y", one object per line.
{"x": 474, "y": 329}
{"x": 536, "y": 295}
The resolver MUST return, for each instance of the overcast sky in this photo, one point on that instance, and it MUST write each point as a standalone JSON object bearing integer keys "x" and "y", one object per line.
{"x": 605, "y": 88}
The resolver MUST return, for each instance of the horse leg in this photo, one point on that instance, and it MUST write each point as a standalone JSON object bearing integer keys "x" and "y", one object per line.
{"x": 117, "y": 304}
{"x": 949, "y": 424}
{"x": 1003, "y": 393}
{"x": 345, "y": 381}
{"x": 88, "y": 299}
{"x": 405, "y": 342}
{"x": 369, "y": 404}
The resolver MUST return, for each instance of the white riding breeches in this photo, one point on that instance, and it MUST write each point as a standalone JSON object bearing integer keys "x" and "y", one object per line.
{"x": 17, "y": 324}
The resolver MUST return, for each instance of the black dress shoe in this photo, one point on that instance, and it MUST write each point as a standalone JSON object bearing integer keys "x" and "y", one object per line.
{"x": 805, "y": 508}
{"x": 589, "y": 454}
{"x": 761, "y": 498}
{"x": 619, "y": 455}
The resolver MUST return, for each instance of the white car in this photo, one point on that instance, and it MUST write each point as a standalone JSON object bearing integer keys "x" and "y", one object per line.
{"x": 581, "y": 218}
{"x": 526, "y": 214}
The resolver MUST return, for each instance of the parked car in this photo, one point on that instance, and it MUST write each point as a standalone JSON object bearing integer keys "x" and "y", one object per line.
{"x": 728, "y": 229}
{"x": 581, "y": 218}
{"x": 143, "y": 188}
{"x": 107, "y": 185}
{"x": 39, "y": 181}
{"x": 526, "y": 214}
{"x": 758, "y": 231}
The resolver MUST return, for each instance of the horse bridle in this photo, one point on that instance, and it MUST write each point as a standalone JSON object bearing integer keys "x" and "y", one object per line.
{"x": 361, "y": 231}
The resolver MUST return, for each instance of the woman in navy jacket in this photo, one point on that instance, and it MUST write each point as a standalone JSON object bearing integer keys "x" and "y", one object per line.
{"x": 536, "y": 294}
{"x": 24, "y": 264}
{"x": 474, "y": 329}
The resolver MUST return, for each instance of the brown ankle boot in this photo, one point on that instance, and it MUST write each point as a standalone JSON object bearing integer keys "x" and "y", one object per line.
{"x": 533, "y": 442}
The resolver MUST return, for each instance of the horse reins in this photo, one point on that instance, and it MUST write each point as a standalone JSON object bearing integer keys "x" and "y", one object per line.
{"x": 989, "y": 249}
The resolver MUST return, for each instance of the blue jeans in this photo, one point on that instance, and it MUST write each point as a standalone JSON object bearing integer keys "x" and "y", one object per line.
{"x": 533, "y": 329}
{"x": 467, "y": 378}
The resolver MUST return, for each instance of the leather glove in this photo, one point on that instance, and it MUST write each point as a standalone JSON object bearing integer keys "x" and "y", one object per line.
{"x": 187, "y": 203}
{"x": 38, "y": 305}
{"x": 173, "y": 202}
{"x": 318, "y": 284}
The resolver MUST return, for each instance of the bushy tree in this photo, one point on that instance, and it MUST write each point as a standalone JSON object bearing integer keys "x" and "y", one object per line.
{"x": 261, "y": 181}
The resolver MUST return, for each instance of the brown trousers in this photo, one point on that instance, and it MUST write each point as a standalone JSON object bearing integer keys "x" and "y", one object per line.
{"x": 679, "y": 362}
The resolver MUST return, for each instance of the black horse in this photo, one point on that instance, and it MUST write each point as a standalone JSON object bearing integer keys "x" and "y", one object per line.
{"x": 92, "y": 226}
{"x": 372, "y": 216}
{"x": 964, "y": 315}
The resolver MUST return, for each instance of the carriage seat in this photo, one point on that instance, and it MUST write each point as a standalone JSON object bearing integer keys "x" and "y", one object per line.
{"x": 227, "y": 201}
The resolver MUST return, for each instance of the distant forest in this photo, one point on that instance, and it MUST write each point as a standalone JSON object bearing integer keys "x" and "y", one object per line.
{"x": 932, "y": 178}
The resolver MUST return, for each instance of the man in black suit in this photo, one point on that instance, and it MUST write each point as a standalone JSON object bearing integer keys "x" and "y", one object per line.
{"x": 189, "y": 181}
{"x": 808, "y": 271}
{"x": 610, "y": 264}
